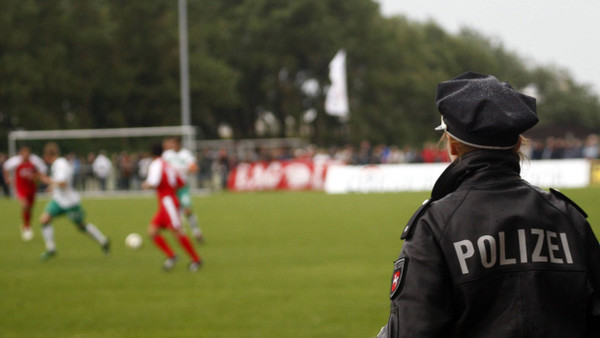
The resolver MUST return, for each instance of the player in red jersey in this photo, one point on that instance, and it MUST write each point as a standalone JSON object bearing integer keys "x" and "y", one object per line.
{"x": 26, "y": 168}
{"x": 166, "y": 180}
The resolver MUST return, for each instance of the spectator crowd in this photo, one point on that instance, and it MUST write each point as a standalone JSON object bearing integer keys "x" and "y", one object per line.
{"x": 126, "y": 171}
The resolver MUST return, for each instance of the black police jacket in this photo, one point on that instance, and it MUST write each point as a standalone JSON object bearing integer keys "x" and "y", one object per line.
{"x": 492, "y": 256}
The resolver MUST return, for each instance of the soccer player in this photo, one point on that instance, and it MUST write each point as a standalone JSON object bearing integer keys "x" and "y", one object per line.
{"x": 65, "y": 200}
{"x": 184, "y": 161}
{"x": 27, "y": 168}
{"x": 165, "y": 179}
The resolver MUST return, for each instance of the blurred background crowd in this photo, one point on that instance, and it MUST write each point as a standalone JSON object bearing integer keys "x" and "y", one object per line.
{"x": 126, "y": 170}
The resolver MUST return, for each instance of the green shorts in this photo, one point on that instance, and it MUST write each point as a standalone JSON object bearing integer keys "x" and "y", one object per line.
{"x": 74, "y": 213}
{"x": 184, "y": 197}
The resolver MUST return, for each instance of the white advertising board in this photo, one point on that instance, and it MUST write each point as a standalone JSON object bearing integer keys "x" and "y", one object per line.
{"x": 557, "y": 173}
{"x": 422, "y": 176}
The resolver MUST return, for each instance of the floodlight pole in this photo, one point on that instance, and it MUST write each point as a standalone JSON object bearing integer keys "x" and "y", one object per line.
{"x": 184, "y": 72}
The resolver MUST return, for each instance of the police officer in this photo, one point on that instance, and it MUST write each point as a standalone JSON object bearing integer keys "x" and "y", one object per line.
{"x": 490, "y": 255}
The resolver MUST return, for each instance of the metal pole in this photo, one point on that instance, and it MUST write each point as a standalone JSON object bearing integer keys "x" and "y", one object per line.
{"x": 12, "y": 144}
{"x": 184, "y": 70}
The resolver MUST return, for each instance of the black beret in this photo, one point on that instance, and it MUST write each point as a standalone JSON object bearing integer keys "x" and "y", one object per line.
{"x": 481, "y": 111}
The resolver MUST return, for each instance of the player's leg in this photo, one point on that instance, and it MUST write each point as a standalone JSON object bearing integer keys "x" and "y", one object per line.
{"x": 186, "y": 207}
{"x": 77, "y": 215}
{"x": 159, "y": 240}
{"x": 186, "y": 244}
{"x": 52, "y": 210}
{"x": 193, "y": 222}
{"x": 174, "y": 223}
{"x": 26, "y": 208}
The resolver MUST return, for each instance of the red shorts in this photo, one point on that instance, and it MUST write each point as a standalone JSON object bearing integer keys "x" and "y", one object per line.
{"x": 28, "y": 196}
{"x": 167, "y": 215}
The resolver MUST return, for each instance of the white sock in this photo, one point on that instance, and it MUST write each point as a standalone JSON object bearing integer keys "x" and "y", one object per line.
{"x": 95, "y": 233}
{"x": 48, "y": 234}
{"x": 193, "y": 222}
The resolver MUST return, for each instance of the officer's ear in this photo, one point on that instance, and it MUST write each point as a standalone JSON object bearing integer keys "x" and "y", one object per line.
{"x": 452, "y": 145}
{"x": 457, "y": 149}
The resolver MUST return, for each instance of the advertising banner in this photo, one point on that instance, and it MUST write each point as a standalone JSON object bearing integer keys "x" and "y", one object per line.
{"x": 383, "y": 178}
{"x": 279, "y": 175}
{"x": 422, "y": 177}
{"x": 557, "y": 173}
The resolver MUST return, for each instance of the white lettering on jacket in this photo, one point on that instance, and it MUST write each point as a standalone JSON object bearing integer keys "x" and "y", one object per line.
{"x": 543, "y": 246}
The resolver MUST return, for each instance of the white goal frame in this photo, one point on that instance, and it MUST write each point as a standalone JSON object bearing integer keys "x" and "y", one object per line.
{"x": 187, "y": 132}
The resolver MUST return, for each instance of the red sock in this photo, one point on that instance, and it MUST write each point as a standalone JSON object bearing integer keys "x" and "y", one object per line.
{"x": 26, "y": 217}
{"x": 187, "y": 245}
{"x": 163, "y": 246}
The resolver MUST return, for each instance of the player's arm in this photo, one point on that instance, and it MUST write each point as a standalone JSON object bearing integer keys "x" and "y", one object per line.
{"x": 45, "y": 179}
{"x": 154, "y": 175}
{"x": 40, "y": 166}
{"x": 53, "y": 182}
{"x": 193, "y": 168}
{"x": 7, "y": 178}
{"x": 8, "y": 167}
{"x": 190, "y": 160}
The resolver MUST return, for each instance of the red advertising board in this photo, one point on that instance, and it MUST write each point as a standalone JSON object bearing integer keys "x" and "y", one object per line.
{"x": 279, "y": 175}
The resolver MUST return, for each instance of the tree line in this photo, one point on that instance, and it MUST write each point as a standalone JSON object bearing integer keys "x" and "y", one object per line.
{"x": 109, "y": 64}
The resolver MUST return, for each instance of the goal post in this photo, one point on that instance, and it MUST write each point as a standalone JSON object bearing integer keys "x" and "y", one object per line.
{"x": 187, "y": 132}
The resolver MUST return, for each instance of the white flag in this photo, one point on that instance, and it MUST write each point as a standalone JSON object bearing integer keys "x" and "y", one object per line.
{"x": 336, "y": 101}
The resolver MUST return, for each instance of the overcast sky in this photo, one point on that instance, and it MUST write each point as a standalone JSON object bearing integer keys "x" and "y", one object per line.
{"x": 547, "y": 32}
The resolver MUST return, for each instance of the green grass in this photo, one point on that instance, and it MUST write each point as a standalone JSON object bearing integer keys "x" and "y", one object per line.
{"x": 277, "y": 265}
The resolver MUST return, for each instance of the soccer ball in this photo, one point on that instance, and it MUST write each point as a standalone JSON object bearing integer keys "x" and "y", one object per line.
{"x": 133, "y": 241}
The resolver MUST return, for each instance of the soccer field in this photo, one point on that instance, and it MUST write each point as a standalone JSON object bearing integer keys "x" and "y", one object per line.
{"x": 276, "y": 265}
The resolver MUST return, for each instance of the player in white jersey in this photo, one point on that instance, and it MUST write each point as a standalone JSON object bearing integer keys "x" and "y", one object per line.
{"x": 65, "y": 200}
{"x": 185, "y": 162}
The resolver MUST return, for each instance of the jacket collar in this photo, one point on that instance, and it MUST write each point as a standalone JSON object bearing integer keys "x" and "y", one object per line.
{"x": 473, "y": 165}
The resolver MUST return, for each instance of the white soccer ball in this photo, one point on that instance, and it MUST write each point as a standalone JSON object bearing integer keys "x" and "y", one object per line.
{"x": 133, "y": 241}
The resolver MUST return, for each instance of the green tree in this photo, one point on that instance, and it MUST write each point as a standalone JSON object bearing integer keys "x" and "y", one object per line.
{"x": 105, "y": 64}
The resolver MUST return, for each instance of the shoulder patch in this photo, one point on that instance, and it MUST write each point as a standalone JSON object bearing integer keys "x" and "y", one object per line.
{"x": 408, "y": 229}
{"x": 398, "y": 276}
{"x": 563, "y": 197}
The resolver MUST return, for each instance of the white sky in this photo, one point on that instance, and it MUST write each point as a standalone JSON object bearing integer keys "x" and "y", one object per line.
{"x": 565, "y": 33}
